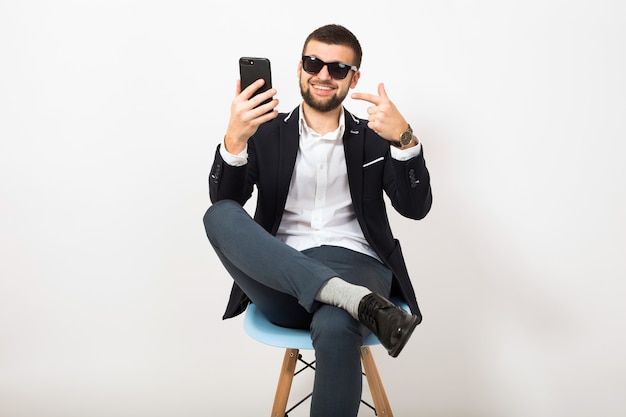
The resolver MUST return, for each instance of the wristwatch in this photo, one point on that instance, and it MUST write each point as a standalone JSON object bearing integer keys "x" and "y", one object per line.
{"x": 405, "y": 138}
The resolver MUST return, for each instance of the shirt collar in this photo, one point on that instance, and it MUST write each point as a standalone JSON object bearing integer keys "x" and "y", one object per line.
{"x": 303, "y": 128}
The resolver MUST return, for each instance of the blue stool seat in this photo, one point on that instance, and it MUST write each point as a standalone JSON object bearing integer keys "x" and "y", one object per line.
{"x": 258, "y": 326}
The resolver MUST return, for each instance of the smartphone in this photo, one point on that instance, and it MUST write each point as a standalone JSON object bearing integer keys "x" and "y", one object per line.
{"x": 251, "y": 69}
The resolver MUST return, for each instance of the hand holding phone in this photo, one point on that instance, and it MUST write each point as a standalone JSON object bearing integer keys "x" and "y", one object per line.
{"x": 244, "y": 121}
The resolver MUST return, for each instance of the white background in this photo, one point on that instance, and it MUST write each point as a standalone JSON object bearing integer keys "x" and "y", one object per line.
{"x": 110, "y": 111}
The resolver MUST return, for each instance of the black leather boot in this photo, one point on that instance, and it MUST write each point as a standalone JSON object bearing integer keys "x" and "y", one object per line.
{"x": 392, "y": 325}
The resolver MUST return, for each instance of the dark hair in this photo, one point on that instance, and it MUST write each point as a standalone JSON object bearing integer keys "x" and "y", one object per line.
{"x": 336, "y": 35}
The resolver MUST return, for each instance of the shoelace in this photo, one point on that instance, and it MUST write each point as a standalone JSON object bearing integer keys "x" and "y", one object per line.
{"x": 371, "y": 305}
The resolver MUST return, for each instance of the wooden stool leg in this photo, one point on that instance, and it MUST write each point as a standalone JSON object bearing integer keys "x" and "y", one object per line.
{"x": 284, "y": 382}
{"x": 381, "y": 403}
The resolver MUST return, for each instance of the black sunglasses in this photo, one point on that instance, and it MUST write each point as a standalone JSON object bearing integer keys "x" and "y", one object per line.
{"x": 337, "y": 70}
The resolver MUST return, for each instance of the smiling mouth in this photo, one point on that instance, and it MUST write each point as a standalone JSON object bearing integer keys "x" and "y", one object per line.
{"x": 322, "y": 87}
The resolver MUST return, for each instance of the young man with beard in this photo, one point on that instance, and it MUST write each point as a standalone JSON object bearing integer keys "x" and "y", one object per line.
{"x": 319, "y": 253}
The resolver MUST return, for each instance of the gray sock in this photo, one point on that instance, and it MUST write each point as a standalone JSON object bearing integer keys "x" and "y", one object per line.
{"x": 340, "y": 293}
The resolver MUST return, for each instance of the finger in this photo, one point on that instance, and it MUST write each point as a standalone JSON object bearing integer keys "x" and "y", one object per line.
{"x": 261, "y": 97}
{"x": 381, "y": 91}
{"x": 372, "y": 110}
{"x": 238, "y": 88}
{"x": 373, "y": 126}
{"x": 372, "y": 98}
{"x": 249, "y": 90}
{"x": 266, "y": 111}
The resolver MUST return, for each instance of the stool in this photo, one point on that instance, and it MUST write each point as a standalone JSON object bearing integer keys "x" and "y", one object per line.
{"x": 261, "y": 329}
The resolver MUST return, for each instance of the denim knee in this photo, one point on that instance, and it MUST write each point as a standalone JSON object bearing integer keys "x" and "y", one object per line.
{"x": 216, "y": 212}
{"x": 218, "y": 215}
{"x": 334, "y": 328}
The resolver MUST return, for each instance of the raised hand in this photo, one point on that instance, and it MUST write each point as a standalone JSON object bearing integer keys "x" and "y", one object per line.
{"x": 246, "y": 117}
{"x": 383, "y": 117}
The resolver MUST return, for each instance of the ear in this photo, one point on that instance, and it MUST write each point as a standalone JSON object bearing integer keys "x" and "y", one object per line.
{"x": 355, "y": 79}
{"x": 299, "y": 70}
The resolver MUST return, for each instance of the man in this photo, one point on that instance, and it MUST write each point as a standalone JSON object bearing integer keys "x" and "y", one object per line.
{"x": 319, "y": 253}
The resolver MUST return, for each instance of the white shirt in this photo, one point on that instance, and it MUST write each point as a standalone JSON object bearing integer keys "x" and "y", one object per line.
{"x": 319, "y": 207}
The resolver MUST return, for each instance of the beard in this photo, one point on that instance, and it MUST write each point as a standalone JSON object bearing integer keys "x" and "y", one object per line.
{"x": 322, "y": 106}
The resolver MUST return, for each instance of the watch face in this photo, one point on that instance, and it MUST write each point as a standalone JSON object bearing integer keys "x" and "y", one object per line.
{"x": 406, "y": 137}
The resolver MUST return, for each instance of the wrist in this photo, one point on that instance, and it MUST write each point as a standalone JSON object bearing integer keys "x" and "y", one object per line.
{"x": 233, "y": 146}
{"x": 411, "y": 144}
{"x": 406, "y": 139}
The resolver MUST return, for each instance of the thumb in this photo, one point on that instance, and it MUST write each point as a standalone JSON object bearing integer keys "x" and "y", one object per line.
{"x": 381, "y": 90}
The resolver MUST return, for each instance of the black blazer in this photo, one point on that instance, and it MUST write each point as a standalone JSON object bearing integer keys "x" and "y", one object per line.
{"x": 371, "y": 170}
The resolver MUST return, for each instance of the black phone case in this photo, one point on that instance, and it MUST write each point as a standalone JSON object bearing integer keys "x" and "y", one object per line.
{"x": 251, "y": 69}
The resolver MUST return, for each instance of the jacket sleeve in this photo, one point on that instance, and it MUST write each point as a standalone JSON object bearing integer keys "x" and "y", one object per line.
{"x": 228, "y": 182}
{"x": 407, "y": 183}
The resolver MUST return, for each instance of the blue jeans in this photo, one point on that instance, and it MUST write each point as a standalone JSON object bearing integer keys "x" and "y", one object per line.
{"x": 283, "y": 283}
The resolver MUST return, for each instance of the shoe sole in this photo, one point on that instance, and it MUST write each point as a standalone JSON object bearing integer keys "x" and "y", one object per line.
{"x": 395, "y": 351}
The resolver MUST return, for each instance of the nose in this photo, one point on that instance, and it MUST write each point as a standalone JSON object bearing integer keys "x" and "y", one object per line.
{"x": 324, "y": 74}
